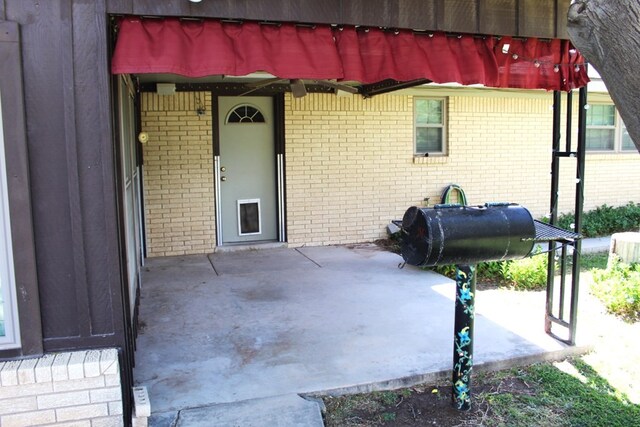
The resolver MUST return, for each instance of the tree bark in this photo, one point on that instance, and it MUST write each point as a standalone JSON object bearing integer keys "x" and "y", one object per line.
{"x": 626, "y": 246}
{"x": 607, "y": 33}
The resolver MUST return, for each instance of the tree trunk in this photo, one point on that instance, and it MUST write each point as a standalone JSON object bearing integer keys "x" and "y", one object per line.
{"x": 626, "y": 246}
{"x": 607, "y": 33}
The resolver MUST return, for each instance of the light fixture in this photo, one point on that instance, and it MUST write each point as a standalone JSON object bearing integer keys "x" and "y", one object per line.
{"x": 195, "y": 1}
{"x": 200, "y": 110}
{"x": 297, "y": 88}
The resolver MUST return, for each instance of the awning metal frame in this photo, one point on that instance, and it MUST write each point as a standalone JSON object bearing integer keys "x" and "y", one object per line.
{"x": 556, "y": 305}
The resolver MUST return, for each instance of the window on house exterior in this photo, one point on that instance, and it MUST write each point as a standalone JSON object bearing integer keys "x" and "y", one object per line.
{"x": 245, "y": 114}
{"x": 627, "y": 143}
{"x": 9, "y": 336}
{"x": 606, "y": 130}
{"x": 430, "y": 126}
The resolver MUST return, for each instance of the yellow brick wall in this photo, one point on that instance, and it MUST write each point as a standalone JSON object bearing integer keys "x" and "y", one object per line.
{"x": 351, "y": 169}
{"x": 178, "y": 174}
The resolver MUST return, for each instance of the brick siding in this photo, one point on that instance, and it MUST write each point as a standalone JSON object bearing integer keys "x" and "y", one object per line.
{"x": 350, "y": 167}
{"x": 80, "y": 389}
{"x": 178, "y": 174}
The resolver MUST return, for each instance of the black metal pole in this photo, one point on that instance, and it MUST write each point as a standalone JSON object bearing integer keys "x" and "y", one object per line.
{"x": 580, "y": 155}
{"x": 463, "y": 336}
{"x": 553, "y": 204}
{"x": 569, "y": 121}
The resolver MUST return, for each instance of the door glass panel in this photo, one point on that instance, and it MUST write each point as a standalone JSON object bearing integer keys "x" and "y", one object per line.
{"x": 245, "y": 114}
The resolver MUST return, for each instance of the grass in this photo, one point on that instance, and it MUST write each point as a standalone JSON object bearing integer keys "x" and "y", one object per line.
{"x": 596, "y": 260}
{"x": 571, "y": 393}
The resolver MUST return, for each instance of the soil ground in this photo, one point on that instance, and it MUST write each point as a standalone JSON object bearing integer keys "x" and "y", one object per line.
{"x": 422, "y": 405}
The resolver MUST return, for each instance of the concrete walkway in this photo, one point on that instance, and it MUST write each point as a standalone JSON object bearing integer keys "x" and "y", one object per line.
{"x": 239, "y": 328}
{"x": 596, "y": 244}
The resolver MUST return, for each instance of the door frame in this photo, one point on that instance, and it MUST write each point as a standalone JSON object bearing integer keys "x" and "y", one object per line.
{"x": 280, "y": 160}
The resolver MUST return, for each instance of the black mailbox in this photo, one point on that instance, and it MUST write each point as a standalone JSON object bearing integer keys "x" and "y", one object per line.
{"x": 455, "y": 234}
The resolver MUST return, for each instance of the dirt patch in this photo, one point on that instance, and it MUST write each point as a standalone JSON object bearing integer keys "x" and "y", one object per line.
{"x": 424, "y": 405}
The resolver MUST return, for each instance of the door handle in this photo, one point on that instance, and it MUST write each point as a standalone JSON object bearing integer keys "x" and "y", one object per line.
{"x": 223, "y": 178}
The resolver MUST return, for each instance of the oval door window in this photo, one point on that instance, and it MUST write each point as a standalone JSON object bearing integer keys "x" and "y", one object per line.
{"x": 245, "y": 113}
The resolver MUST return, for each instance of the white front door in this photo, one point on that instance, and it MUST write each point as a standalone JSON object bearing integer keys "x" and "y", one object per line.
{"x": 247, "y": 178}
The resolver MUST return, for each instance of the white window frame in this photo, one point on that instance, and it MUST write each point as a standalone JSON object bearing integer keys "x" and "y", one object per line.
{"x": 443, "y": 126}
{"x": 617, "y": 128}
{"x": 11, "y": 339}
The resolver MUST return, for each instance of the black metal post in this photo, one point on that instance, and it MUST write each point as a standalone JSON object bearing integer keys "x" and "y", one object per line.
{"x": 569, "y": 121}
{"x": 463, "y": 336}
{"x": 553, "y": 204}
{"x": 580, "y": 155}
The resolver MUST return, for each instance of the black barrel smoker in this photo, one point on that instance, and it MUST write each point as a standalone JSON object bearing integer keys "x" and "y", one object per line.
{"x": 455, "y": 234}
{"x": 464, "y": 236}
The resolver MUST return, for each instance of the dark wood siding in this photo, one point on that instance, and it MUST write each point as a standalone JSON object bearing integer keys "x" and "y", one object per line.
{"x": 67, "y": 105}
{"x": 459, "y": 15}
{"x": 417, "y": 14}
{"x": 539, "y": 18}
{"x": 19, "y": 192}
{"x": 499, "y": 16}
{"x": 536, "y": 17}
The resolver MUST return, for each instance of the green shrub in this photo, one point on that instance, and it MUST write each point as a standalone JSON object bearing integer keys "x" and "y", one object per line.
{"x": 618, "y": 287}
{"x": 446, "y": 270}
{"x": 605, "y": 220}
{"x": 492, "y": 270}
{"x": 495, "y": 270}
{"x": 528, "y": 274}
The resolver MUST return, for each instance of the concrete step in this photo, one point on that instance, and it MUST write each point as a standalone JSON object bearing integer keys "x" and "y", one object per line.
{"x": 289, "y": 410}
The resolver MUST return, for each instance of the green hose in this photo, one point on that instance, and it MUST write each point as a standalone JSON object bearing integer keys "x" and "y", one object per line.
{"x": 446, "y": 195}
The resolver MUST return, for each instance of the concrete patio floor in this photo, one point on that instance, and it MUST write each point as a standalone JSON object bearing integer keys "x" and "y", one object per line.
{"x": 238, "y": 326}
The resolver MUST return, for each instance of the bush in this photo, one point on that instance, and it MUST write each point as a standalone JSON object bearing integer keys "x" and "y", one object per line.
{"x": 605, "y": 220}
{"x": 493, "y": 270}
{"x": 528, "y": 274}
{"x": 618, "y": 287}
{"x": 496, "y": 270}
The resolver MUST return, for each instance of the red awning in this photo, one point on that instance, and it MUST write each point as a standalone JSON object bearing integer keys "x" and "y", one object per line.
{"x": 213, "y": 47}
{"x": 373, "y": 55}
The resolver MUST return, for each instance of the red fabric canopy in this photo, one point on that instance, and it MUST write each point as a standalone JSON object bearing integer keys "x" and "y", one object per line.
{"x": 372, "y": 55}
{"x": 212, "y": 47}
